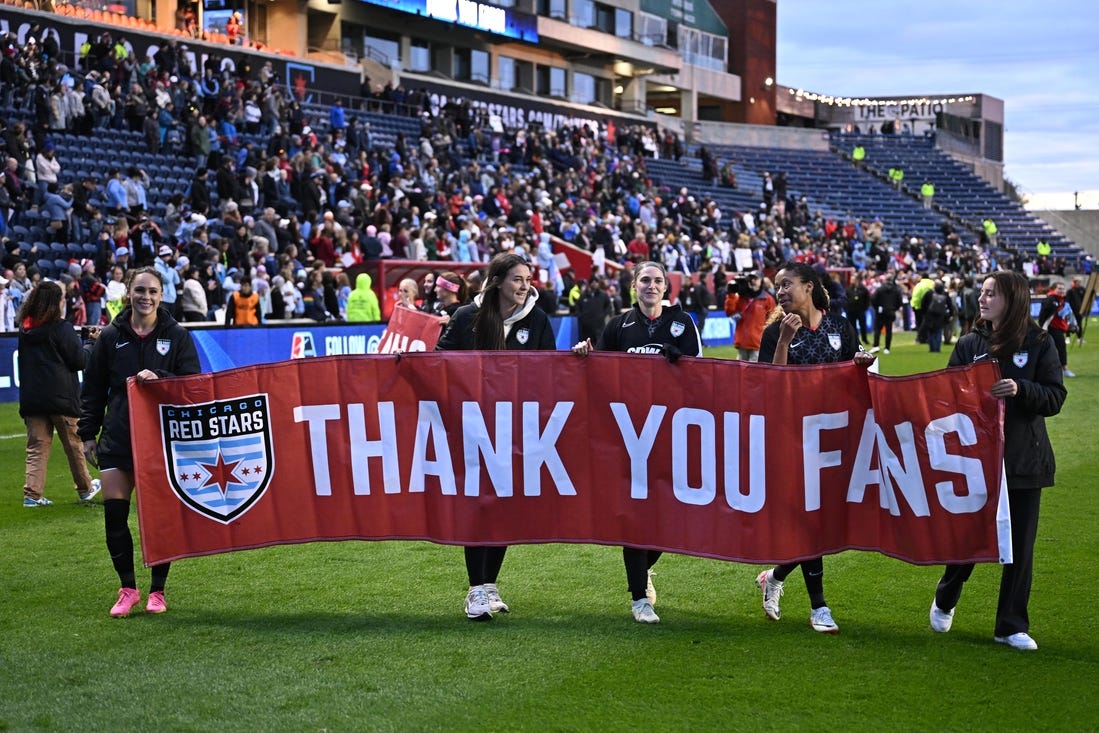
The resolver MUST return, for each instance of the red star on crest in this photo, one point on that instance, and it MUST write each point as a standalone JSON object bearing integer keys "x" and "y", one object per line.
{"x": 221, "y": 473}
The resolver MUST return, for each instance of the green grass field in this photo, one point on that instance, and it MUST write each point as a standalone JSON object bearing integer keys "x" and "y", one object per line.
{"x": 371, "y": 636}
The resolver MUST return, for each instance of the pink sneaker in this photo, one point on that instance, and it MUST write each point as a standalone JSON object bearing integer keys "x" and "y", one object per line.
{"x": 156, "y": 603}
{"x": 127, "y": 599}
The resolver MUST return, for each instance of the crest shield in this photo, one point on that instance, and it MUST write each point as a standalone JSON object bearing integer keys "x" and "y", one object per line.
{"x": 218, "y": 456}
{"x": 677, "y": 329}
{"x": 835, "y": 341}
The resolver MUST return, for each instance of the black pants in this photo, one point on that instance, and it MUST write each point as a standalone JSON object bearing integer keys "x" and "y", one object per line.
{"x": 884, "y": 320}
{"x": 858, "y": 322}
{"x": 483, "y": 563}
{"x": 1015, "y": 579}
{"x": 637, "y": 564}
{"x": 1058, "y": 338}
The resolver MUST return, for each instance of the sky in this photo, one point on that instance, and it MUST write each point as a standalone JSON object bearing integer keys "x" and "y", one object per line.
{"x": 1041, "y": 58}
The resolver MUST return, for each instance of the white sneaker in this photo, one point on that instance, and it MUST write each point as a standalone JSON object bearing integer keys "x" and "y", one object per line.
{"x": 495, "y": 602}
{"x": 1020, "y": 641}
{"x": 643, "y": 612}
{"x": 886, "y": 351}
{"x": 941, "y": 620}
{"x": 90, "y": 494}
{"x": 650, "y": 590}
{"x": 772, "y": 591}
{"x": 477, "y": 608}
{"x": 875, "y": 349}
{"x": 1069, "y": 372}
{"x": 821, "y": 620}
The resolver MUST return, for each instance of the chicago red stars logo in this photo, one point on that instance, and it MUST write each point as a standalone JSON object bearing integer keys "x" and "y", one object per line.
{"x": 218, "y": 455}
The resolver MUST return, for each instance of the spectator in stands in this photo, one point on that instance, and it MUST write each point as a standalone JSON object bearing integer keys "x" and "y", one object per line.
{"x": 362, "y": 304}
{"x": 502, "y": 316}
{"x": 198, "y": 195}
{"x": 46, "y": 168}
{"x": 858, "y": 155}
{"x": 193, "y": 302}
{"x": 1032, "y": 390}
{"x": 927, "y": 193}
{"x": 243, "y": 306}
{"x": 805, "y": 303}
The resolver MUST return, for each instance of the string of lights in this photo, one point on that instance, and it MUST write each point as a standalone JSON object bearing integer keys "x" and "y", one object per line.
{"x": 801, "y": 94}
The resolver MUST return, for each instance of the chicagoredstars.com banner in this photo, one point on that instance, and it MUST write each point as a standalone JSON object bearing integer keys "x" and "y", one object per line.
{"x": 723, "y": 459}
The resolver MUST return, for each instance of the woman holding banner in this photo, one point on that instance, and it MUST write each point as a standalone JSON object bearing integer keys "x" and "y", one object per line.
{"x": 806, "y": 334}
{"x": 667, "y": 330}
{"x": 146, "y": 343}
{"x": 1032, "y": 389}
{"x": 502, "y": 316}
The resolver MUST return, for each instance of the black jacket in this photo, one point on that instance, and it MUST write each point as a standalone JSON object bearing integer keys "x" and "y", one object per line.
{"x": 117, "y": 355}
{"x": 50, "y": 355}
{"x": 634, "y": 333}
{"x": 532, "y": 332}
{"x": 1028, "y": 455}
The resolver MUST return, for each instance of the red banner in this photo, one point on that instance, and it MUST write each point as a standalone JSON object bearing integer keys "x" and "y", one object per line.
{"x": 410, "y": 330}
{"x": 723, "y": 459}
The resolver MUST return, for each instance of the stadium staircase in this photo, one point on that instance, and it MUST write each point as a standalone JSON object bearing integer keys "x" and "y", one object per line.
{"x": 960, "y": 194}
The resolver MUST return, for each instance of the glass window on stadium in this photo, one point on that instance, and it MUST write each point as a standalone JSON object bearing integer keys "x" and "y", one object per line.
{"x": 505, "y": 73}
{"x": 551, "y": 82}
{"x": 652, "y": 30}
{"x": 583, "y": 13}
{"x": 702, "y": 49}
{"x": 383, "y": 48}
{"x": 623, "y": 23}
{"x": 583, "y": 88}
{"x": 553, "y": 9}
{"x": 419, "y": 56}
{"x": 504, "y": 3}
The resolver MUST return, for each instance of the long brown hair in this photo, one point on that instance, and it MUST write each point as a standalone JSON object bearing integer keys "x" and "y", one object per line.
{"x": 488, "y": 325}
{"x": 42, "y": 304}
{"x": 1011, "y": 335}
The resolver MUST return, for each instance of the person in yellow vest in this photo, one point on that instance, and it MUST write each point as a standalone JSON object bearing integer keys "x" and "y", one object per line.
{"x": 990, "y": 230}
{"x": 1044, "y": 248}
{"x": 896, "y": 176}
{"x": 927, "y": 191}
{"x": 858, "y": 155}
{"x": 243, "y": 306}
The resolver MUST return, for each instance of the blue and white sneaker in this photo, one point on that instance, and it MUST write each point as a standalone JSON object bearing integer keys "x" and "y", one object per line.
{"x": 40, "y": 501}
{"x": 90, "y": 494}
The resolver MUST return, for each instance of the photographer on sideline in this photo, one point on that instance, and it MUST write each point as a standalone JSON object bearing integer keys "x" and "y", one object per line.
{"x": 748, "y": 304}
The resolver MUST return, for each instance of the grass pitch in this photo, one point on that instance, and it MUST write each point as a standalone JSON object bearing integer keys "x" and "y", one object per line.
{"x": 371, "y": 636}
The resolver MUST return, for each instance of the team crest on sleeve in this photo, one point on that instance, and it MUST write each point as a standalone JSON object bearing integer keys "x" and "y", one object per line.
{"x": 162, "y": 346}
{"x": 219, "y": 455}
{"x": 835, "y": 341}
{"x": 677, "y": 329}
{"x": 522, "y": 335}
{"x": 1019, "y": 358}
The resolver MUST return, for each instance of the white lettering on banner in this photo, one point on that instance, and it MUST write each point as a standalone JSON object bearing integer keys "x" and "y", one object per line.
{"x": 223, "y": 419}
{"x": 976, "y": 495}
{"x": 757, "y": 475}
{"x": 316, "y": 416}
{"x": 362, "y": 449}
{"x": 694, "y": 442}
{"x": 429, "y": 424}
{"x": 814, "y": 460}
{"x": 392, "y": 342}
{"x": 497, "y": 457}
{"x": 683, "y": 419}
{"x": 541, "y": 448}
{"x": 638, "y": 445}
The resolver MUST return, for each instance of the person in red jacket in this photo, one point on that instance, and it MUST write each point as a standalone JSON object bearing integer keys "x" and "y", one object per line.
{"x": 748, "y": 304}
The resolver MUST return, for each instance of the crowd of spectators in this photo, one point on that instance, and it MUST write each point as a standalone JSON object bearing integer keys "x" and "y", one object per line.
{"x": 289, "y": 197}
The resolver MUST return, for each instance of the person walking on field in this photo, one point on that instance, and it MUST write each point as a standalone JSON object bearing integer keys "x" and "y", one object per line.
{"x": 50, "y": 355}
{"x": 1032, "y": 389}
{"x": 806, "y": 334}
{"x": 503, "y": 316}
{"x": 146, "y": 343}
{"x": 647, "y": 328}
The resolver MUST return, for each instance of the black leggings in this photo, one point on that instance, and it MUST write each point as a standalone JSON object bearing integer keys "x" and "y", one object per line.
{"x": 813, "y": 572}
{"x": 483, "y": 563}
